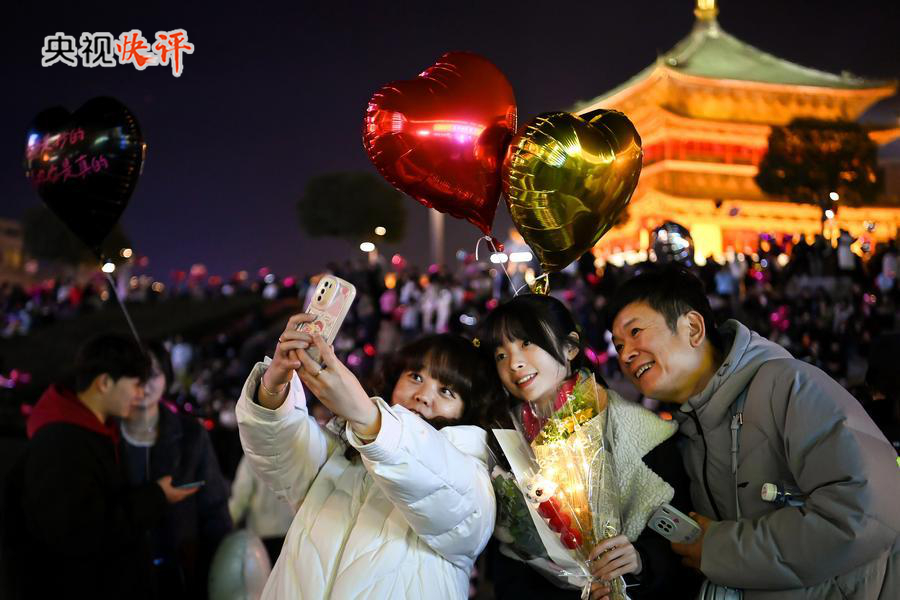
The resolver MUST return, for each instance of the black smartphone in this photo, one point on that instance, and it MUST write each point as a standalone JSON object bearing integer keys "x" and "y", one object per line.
{"x": 187, "y": 486}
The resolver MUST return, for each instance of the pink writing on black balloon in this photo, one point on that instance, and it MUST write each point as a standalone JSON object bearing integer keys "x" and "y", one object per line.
{"x": 83, "y": 167}
{"x": 57, "y": 141}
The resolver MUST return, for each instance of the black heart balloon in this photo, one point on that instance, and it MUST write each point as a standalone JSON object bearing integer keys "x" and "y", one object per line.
{"x": 85, "y": 165}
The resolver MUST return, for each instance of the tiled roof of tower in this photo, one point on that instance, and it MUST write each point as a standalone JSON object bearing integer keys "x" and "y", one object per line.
{"x": 711, "y": 52}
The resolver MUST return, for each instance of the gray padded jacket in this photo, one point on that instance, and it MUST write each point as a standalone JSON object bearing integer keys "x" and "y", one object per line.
{"x": 801, "y": 430}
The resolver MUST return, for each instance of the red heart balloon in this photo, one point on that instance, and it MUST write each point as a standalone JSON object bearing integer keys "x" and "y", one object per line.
{"x": 440, "y": 137}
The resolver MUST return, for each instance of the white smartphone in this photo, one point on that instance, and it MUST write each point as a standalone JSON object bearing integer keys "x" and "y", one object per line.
{"x": 674, "y": 525}
{"x": 330, "y": 304}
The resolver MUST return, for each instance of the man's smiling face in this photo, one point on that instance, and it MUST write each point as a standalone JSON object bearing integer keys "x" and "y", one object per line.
{"x": 659, "y": 362}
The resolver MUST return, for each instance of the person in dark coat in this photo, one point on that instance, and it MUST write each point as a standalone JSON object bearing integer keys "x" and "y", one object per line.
{"x": 883, "y": 380}
{"x": 155, "y": 440}
{"x": 73, "y": 527}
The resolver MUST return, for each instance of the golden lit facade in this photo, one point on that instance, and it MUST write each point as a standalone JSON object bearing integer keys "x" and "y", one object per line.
{"x": 704, "y": 111}
{"x": 11, "y": 253}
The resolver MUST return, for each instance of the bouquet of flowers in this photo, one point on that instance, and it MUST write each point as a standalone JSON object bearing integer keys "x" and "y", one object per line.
{"x": 568, "y": 476}
{"x": 515, "y": 528}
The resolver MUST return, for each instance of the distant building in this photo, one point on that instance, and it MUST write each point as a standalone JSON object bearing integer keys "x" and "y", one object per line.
{"x": 704, "y": 111}
{"x": 11, "y": 254}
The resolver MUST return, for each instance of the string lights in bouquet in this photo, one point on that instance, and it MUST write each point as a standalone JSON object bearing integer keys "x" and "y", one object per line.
{"x": 569, "y": 477}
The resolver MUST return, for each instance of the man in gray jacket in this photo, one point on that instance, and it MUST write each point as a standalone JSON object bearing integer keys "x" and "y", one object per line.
{"x": 751, "y": 414}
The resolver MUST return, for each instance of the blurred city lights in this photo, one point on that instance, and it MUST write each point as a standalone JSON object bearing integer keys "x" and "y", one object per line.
{"x": 467, "y": 320}
{"x": 125, "y": 252}
{"x": 380, "y": 230}
{"x": 498, "y": 258}
{"x": 829, "y": 214}
{"x": 108, "y": 267}
{"x": 367, "y": 246}
{"x": 518, "y": 257}
{"x": 834, "y": 196}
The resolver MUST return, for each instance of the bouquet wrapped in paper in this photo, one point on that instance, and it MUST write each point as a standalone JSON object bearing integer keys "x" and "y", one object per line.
{"x": 560, "y": 456}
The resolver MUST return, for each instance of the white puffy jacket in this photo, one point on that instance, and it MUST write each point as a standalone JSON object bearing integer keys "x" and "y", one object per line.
{"x": 268, "y": 516}
{"x": 406, "y": 521}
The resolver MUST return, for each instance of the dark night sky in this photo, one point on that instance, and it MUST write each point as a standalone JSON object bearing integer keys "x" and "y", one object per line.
{"x": 275, "y": 94}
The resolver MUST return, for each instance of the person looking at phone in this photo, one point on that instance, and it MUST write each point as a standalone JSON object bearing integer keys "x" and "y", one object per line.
{"x": 72, "y": 527}
{"x": 753, "y": 414}
{"x": 393, "y": 498}
{"x": 155, "y": 441}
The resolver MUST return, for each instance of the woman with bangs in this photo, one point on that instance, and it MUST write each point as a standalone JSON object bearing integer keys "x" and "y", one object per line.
{"x": 392, "y": 497}
{"x": 532, "y": 346}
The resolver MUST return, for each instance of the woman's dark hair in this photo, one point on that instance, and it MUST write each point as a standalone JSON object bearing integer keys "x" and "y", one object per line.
{"x": 157, "y": 350}
{"x": 116, "y": 355}
{"x": 672, "y": 291}
{"x": 450, "y": 359}
{"x": 542, "y": 320}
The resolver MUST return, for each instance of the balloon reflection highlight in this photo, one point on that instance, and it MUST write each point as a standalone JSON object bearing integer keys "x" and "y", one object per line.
{"x": 440, "y": 137}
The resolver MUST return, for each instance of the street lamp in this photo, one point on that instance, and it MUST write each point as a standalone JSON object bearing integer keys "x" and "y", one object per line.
{"x": 380, "y": 230}
{"x": 367, "y": 246}
{"x": 108, "y": 267}
{"x": 834, "y": 196}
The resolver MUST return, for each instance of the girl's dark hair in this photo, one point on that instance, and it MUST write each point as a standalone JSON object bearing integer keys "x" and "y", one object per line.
{"x": 542, "y": 320}
{"x": 450, "y": 359}
{"x": 453, "y": 361}
{"x": 158, "y": 351}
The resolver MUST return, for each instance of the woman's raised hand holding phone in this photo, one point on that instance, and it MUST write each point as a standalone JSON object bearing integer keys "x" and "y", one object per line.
{"x": 291, "y": 346}
{"x": 339, "y": 389}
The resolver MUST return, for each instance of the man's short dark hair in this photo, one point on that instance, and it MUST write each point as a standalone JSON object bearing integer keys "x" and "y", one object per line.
{"x": 116, "y": 355}
{"x": 671, "y": 290}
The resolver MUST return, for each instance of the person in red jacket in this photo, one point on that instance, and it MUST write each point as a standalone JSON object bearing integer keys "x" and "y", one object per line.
{"x": 73, "y": 527}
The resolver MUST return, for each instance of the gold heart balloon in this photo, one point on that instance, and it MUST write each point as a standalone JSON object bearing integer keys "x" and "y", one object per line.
{"x": 567, "y": 178}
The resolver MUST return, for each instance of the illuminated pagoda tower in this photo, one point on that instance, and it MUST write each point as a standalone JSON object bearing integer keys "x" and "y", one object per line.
{"x": 704, "y": 110}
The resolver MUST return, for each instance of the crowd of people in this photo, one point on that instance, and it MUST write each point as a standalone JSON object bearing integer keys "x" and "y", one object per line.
{"x": 824, "y": 305}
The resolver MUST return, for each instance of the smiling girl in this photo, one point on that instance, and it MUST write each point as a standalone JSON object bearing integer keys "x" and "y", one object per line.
{"x": 405, "y": 513}
{"x": 535, "y": 349}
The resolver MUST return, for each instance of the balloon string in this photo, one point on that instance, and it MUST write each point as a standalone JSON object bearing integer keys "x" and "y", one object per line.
{"x": 115, "y": 292}
{"x": 478, "y": 244}
{"x": 494, "y": 250}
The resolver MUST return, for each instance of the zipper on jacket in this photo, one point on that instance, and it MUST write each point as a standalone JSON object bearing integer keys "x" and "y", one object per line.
{"x": 709, "y": 495}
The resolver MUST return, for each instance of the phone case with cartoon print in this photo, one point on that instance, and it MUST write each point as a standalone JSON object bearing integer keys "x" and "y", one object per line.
{"x": 330, "y": 305}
